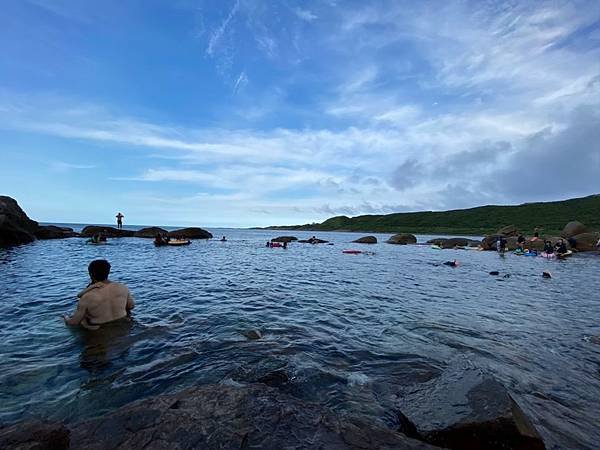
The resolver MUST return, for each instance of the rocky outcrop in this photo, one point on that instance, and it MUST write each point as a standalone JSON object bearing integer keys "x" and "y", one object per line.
{"x": 313, "y": 241}
{"x": 573, "y": 228}
{"x": 191, "y": 233}
{"x": 282, "y": 239}
{"x": 508, "y": 231}
{"x": 402, "y": 239}
{"x": 366, "y": 240}
{"x": 227, "y": 417}
{"x": 454, "y": 242}
{"x": 15, "y": 227}
{"x": 35, "y": 435}
{"x": 586, "y": 242}
{"x": 111, "y": 232}
{"x": 466, "y": 409}
{"x": 150, "y": 232}
{"x": 54, "y": 232}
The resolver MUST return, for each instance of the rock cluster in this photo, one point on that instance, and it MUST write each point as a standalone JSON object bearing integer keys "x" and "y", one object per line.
{"x": 454, "y": 242}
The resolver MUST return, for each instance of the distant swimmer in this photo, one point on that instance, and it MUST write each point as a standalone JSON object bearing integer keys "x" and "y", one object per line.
{"x": 546, "y": 274}
{"x": 102, "y": 301}
{"x": 451, "y": 263}
{"x": 119, "y": 217}
{"x": 223, "y": 239}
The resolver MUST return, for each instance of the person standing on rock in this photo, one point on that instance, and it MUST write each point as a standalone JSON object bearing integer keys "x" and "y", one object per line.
{"x": 120, "y": 220}
{"x": 103, "y": 301}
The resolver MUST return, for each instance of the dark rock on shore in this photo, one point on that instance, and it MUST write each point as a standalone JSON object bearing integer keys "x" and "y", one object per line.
{"x": 54, "y": 232}
{"x": 573, "y": 228}
{"x": 283, "y": 239}
{"x": 226, "y": 417}
{"x": 586, "y": 242}
{"x": 465, "y": 409}
{"x": 149, "y": 232}
{"x": 35, "y": 435}
{"x": 453, "y": 242}
{"x": 366, "y": 240}
{"x": 111, "y": 232}
{"x": 402, "y": 239}
{"x": 508, "y": 231}
{"x": 191, "y": 233}
{"x": 15, "y": 227}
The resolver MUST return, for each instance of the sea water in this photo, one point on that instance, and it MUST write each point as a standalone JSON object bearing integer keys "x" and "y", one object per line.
{"x": 351, "y": 331}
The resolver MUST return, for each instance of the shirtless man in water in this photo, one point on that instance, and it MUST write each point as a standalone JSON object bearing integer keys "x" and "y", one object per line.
{"x": 102, "y": 301}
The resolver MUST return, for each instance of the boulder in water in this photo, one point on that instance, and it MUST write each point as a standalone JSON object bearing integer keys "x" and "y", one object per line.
{"x": 111, "y": 232}
{"x": 150, "y": 232}
{"x": 15, "y": 227}
{"x": 366, "y": 240}
{"x": 54, "y": 232}
{"x": 252, "y": 334}
{"x": 402, "y": 239}
{"x": 466, "y": 409}
{"x": 573, "y": 228}
{"x": 191, "y": 233}
{"x": 283, "y": 239}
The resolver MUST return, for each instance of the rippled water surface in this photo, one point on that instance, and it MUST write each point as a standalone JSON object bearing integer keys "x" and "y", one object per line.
{"x": 351, "y": 330}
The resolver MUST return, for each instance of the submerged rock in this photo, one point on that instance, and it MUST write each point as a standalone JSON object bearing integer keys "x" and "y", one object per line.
{"x": 111, "y": 232}
{"x": 150, "y": 232}
{"x": 15, "y": 227}
{"x": 282, "y": 239}
{"x": 366, "y": 240}
{"x": 402, "y": 239}
{"x": 35, "y": 435}
{"x": 252, "y": 334}
{"x": 221, "y": 416}
{"x": 573, "y": 228}
{"x": 465, "y": 409}
{"x": 191, "y": 233}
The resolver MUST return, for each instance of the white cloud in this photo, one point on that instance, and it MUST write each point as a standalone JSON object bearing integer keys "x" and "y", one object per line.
{"x": 305, "y": 14}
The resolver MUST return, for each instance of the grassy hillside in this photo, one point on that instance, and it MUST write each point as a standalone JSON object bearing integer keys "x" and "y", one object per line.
{"x": 551, "y": 217}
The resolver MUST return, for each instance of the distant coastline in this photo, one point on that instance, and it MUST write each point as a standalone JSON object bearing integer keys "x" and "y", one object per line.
{"x": 548, "y": 217}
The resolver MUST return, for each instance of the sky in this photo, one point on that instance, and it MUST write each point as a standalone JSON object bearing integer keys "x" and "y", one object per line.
{"x": 243, "y": 113}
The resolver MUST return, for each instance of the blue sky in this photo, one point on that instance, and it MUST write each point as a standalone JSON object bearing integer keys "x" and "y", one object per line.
{"x": 254, "y": 113}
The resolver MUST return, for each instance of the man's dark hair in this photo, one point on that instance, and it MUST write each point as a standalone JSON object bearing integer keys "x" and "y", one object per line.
{"x": 99, "y": 269}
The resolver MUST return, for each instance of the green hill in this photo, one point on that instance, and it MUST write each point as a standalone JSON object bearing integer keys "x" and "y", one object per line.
{"x": 550, "y": 217}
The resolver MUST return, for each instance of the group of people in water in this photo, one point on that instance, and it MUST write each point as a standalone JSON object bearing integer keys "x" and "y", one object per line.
{"x": 560, "y": 248}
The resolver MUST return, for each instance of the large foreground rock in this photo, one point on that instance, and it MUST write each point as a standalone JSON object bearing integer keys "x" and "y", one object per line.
{"x": 226, "y": 417}
{"x": 191, "y": 233}
{"x": 282, "y": 239}
{"x": 15, "y": 227}
{"x": 366, "y": 240}
{"x": 35, "y": 435}
{"x": 402, "y": 239}
{"x": 149, "y": 232}
{"x": 54, "y": 232}
{"x": 466, "y": 409}
{"x": 112, "y": 232}
{"x": 573, "y": 228}
{"x": 586, "y": 242}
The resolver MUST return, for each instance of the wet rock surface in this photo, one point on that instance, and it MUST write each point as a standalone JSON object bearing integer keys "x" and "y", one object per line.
{"x": 150, "y": 232}
{"x": 282, "y": 239}
{"x": 111, "y": 232}
{"x": 402, "y": 239}
{"x": 191, "y": 233}
{"x": 54, "y": 232}
{"x": 224, "y": 417}
{"x": 366, "y": 240}
{"x": 467, "y": 409}
{"x": 35, "y": 435}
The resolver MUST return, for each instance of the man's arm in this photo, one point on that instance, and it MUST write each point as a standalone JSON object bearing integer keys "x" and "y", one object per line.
{"x": 130, "y": 302}
{"x": 79, "y": 314}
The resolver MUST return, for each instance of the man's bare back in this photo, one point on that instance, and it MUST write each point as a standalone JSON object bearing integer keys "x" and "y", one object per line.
{"x": 102, "y": 301}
